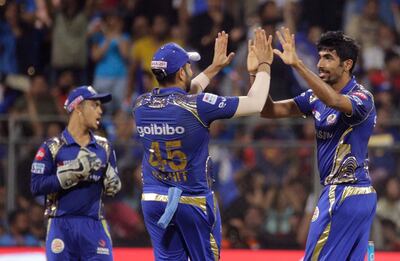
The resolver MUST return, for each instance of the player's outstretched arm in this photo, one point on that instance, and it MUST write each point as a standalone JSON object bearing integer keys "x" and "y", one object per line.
{"x": 322, "y": 90}
{"x": 257, "y": 95}
{"x": 220, "y": 60}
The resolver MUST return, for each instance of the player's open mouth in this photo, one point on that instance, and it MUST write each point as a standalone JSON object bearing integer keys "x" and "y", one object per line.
{"x": 322, "y": 73}
{"x": 98, "y": 121}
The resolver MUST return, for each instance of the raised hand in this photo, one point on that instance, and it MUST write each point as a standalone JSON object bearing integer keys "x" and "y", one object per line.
{"x": 252, "y": 61}
{"x": 289, "y": 55}
{"x": 262, "y": 47}
{"x": 221, "y": 45}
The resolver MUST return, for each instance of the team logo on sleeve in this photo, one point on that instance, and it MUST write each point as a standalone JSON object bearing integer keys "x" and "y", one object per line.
{"x": 57, "y": 246}
{"x": 361, "y": 95}
{"x": 317, "y": 115}
{"x": 40, "y": 154}
{"x": 356, "y": 99}
{"x": 331, "y": 119}
{"x": 315, "y": 215}
{"x": 313, "y": 98}
{"x": 38, "y": 168}
{"x": 210, "y": 98}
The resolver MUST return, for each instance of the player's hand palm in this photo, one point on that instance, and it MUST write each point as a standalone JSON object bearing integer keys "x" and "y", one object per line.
{"x": 252, "y": 61}
{"x": 289, "y": 55}
{"x": 221, "y": 45}
{"x": 262, "y": 47}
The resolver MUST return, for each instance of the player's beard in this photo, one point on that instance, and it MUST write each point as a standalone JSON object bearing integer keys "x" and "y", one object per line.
{"x": 188, "y": 80}
{"x": 187, "y": 85}
{"x": 334, "y": 75}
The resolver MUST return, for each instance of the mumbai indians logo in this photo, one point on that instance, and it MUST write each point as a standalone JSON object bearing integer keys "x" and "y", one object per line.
{"x": 57, "y": 246}
{"x": 315, "y": 215}
{"x": 162, "y": 129}
{"x": 331, "y": 119}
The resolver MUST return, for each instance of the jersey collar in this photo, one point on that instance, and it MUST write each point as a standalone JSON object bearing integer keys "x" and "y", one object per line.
{"x": 167, "y": 91}
{"x": 349, "y": 86}
{"x": 70, "y": 140}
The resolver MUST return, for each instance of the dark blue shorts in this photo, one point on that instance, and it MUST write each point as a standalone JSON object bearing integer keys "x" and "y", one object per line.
{"x": 194, "y": 231}
{"x": 341, "y": 223}
{"x": 78, "y": 238}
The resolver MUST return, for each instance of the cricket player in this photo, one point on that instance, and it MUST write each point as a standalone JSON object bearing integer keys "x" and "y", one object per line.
{"x": 344, "y": 115}
{"x": 180, "y": 210}
{"x": 73, "y": 171}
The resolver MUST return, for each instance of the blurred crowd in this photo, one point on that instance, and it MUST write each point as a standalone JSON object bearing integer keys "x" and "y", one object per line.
{"x": 263, "y": 170}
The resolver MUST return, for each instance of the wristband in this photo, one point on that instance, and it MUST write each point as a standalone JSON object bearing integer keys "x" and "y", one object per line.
{"x": 201, "y": 80}
{"x": 264, "y": 63}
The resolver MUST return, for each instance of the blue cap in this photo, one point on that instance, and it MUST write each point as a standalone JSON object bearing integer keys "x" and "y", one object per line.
{"x": 171, "y": 57}
{"x": 82, "y": 93}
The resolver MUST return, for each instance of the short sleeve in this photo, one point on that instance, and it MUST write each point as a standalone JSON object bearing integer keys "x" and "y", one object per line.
{"x": 305, "y": 101}
{"x": 212, "y": 107}
{"x": 362, "y": 103}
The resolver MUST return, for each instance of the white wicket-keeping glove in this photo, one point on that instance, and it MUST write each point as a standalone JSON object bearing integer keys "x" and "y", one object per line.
{"x": 79, "y": 169}
{"x": 112, "y": 183}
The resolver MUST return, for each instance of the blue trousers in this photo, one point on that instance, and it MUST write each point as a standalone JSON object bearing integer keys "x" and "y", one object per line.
{"x": 341, "y": 223}
{"x": 194, "y": 231}
{"x": 78, "y": 239}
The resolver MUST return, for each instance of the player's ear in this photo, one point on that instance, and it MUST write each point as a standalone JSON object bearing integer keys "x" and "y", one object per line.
{"x": 348, "y": 64}
{"x": 181, "y": 74}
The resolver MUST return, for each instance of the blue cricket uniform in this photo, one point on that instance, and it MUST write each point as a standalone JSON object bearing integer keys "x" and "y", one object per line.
{"x": 77, "y": 229}
{"x": 173, "y": 128}
{"x": 342, "y": 219}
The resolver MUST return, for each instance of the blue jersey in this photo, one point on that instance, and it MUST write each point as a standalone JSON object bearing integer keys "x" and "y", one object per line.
{"x": 84, "y": 199}
{"x": 342, "y": 140}
{"x": 173, "y": 128}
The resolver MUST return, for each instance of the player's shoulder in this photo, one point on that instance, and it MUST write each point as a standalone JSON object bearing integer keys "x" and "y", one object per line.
{"x": 309, "y": 96}
{"x": 54, "y": 144}
{"x": 100, "y": 139}
{"x": 103, "y": 142}
{"x": 142, "y": 100}
{"x": 361, "y": 92}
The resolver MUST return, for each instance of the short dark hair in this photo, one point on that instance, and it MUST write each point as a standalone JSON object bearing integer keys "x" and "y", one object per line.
{"x": 345, "y": 47}
{"x": 163, "y": 78}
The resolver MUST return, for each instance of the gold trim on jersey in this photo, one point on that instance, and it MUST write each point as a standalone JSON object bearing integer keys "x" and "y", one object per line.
{"x": 103, "y": 142}
{"x": 48, "y": 227}
{"x": 51, "y": 205}
{"x": 189, "y": 106}
{"x": 353, "y": 191}
{"x": 325, "y": 234}
{"x": 214, "y": 247}
{"x": 321, "y": 242}
{"x": 186, "y": 102}
{"x": 343, "y": 169}
{"x": 54, "y": 146}
{"x": 198, "y": 201}
{"x": 105, "y": 226}
{"x": 331, "y": 197}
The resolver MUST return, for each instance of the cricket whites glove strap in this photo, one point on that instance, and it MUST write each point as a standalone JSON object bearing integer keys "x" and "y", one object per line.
{"x": 112, "y": 183}
{"x": 79, "y": 169}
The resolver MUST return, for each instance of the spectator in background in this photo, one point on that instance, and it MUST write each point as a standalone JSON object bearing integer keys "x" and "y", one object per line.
{"x": 36, "y": 100}
{"x": 18, "y": 234}
{"x": 142, "y": 51}
{"x": 110, "y": 53}
{"x": 203, "y": 29}
{"x": 140, "y": 28}
{"x": 365, "y": 26}
{"x": 69, "y": 39}
{"x": 37, "y": 223}
{"x": 389, "y": 203}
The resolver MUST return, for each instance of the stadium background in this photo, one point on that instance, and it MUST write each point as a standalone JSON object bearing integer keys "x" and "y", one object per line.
{"x": 265, "y": 172}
